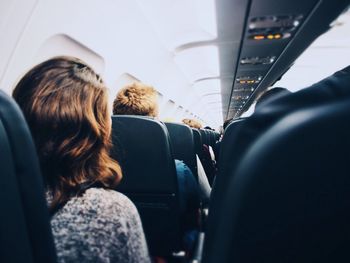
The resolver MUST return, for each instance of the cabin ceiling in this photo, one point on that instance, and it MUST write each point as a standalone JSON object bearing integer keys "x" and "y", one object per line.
{"x": 232, "y": 50}
{"x": 210, "y": 58}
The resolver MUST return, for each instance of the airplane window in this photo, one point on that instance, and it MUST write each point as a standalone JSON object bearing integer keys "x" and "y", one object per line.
{"x": 62, "y": 44}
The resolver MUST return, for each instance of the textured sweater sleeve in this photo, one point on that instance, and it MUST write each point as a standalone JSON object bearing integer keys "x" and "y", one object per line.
{"x": 100, "y": 226}
{"x": 135, "y": 248}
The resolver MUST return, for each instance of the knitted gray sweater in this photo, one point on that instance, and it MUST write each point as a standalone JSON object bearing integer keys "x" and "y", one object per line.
{"x": 99, "y": 226}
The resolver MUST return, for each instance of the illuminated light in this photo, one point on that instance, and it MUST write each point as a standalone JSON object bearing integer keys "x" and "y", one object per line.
{"x": 243, "y": 82}
{"x": 287, "y": 35}
{"x": 296, "y": 23}
{"x": 270, "y": 36}
{"x": 278, "y": 36}
{"x": 252, "y": 89}
{"x": 259, "y": 37}
{"x": 257, "y": 60}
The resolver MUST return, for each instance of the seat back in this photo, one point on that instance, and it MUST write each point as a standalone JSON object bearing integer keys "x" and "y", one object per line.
{"x": 25, "y": 233}
{"x": 182, "y": 144}
{"x": 197, "y": 141}
{"x": 227, "y": 147}
{"x": 142, "y": 147}
{"x": 212, "y": 138}
{"x": 204, "y": 136}
{"x": 289, "y": 200}
{"x": 217, "y": 136}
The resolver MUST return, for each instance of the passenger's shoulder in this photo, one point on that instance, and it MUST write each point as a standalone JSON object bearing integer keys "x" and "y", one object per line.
{"x": 110, "y": 200}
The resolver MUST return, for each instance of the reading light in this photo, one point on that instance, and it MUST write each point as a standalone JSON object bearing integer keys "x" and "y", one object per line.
{"x": 248, "y": 79}
{"x": 259, "y": 37}
{"x": 258, "y": 60}
{"x": 273, "y": 26}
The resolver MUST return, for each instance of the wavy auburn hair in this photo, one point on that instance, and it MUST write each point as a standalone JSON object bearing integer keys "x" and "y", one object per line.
{"x": 65, "y": 104}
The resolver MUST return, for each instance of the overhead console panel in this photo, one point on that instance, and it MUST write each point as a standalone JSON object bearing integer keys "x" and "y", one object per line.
{"x": 274, "y": 34}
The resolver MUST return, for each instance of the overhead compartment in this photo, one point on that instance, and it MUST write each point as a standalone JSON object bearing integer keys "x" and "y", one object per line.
{"x": 274, "y": 34}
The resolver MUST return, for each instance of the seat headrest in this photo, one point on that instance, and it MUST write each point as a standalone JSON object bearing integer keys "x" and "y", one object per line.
{"x": 24, "y": 223}
{"x": 204, "y": 136}
{"x": 182, "y": 144}
{"x": 197, "y": 141}
{"x": 289, "y": 200}
{"x": 142, "y": 146}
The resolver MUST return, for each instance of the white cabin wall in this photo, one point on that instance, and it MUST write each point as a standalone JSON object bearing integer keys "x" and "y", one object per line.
{"x": 14, "y": 15}
{"x": 116, "y": 31}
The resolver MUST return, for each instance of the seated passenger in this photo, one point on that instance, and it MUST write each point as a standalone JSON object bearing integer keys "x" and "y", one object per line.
{"x": 65, "y": 104}
{"x": 217, "y": 147}
{"x": 269, "y": 95}
{"x": 192, "y": 123}
{"x": 226, "y": 123}
{"x": 329, "y": 90}
{"x": 140, "y": 99}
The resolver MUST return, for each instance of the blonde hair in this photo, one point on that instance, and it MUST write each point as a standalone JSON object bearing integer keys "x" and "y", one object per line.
{"x": 192, "y": 123}
{"x": 136, "y": 99}
{"x": 66, "y": 106}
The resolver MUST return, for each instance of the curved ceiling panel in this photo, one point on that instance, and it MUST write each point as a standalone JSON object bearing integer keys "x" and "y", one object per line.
{"x": 199, "y": 62}
{"x": 207, "y": 86}
{"x": 197, "y": 22}
{"x": 216, "y": 97}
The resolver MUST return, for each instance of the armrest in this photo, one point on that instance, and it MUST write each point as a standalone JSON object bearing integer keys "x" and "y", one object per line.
{"x": 204, "y": 212}
{"x": 197, "y": 255}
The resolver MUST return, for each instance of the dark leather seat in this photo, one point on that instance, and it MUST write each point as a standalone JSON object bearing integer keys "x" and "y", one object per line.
{"x": 217, "y": 136}
{"x": 182, "y": 144}
{"x": 243, "y": 134}
{"x": 212, "y": 138}
{"x": 239, "y": 137}
{"x": 289, "y": 200}
{"x": 197, "y": 141}
{"x": 204, "y": 136}
{"x": 25, "y": 233}
{"x": 227, "y": 147}
{"x": 208, "y": 133}
{"x": 142, "y": 146}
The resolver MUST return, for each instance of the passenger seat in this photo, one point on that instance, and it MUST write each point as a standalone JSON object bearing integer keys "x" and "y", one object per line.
{"x": 289, "y": 200}
{"x": 24, "y": 222}
{"x": 142, "y": 146}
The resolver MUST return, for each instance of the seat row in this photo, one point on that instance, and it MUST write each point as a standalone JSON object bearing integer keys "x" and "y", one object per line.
{"x": 146, "y": 149}
{"x": 281, "y": 194}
